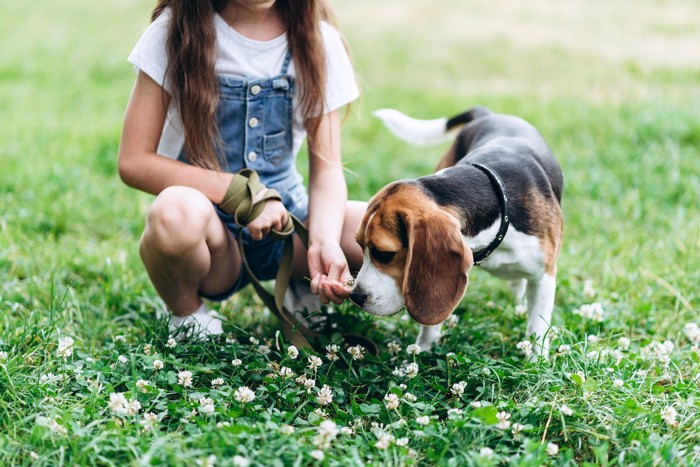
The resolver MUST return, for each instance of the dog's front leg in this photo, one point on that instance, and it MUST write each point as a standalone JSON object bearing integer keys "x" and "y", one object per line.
{"x": 428, "y": 335}
{"x": 540, "y": 303}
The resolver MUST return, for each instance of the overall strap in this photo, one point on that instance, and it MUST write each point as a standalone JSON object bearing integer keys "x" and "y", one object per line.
{"x": 287, "y": 61}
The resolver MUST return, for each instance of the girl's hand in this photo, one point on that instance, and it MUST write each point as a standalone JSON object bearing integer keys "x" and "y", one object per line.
{"x": 274, "y": 216}
{"x": 329, "y": 270}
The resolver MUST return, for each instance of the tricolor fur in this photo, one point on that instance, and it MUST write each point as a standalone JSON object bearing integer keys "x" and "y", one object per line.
{"x": 419, "y": 235}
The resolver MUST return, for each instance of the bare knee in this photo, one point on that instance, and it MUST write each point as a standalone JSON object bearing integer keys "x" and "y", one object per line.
{"x": 176, "y": 221}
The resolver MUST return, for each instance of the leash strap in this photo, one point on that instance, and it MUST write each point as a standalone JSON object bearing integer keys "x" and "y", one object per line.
{"x": 500, "y": 188}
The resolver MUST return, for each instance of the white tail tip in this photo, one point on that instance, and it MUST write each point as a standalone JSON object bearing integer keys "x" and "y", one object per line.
{"x": 419, "y": 132}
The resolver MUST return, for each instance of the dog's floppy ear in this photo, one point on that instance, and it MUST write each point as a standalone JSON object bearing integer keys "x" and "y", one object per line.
{"x": 436, "y": 268}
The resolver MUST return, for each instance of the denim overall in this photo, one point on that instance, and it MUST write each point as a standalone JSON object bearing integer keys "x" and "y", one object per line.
{"x": 255, "y": 125}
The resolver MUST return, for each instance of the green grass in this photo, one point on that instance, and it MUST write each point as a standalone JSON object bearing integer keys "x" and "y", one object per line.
{"x": 616, "y": 96}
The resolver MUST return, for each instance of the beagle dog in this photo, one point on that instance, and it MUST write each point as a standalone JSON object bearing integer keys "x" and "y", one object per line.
{"x": 494, "y": 202}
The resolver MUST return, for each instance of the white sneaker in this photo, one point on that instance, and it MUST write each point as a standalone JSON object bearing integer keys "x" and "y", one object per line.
{"x": 302, "y": 303}
{"x": 200, "y": 324}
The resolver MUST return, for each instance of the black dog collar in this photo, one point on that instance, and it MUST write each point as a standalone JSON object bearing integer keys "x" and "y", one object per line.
{"x": 500, "y": 188}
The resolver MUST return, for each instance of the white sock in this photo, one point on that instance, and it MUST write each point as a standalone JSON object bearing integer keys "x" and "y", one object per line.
{"x": 203, "y": 322}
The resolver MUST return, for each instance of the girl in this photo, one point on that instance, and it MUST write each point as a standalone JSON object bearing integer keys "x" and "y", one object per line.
{"x": 223, "y": 86}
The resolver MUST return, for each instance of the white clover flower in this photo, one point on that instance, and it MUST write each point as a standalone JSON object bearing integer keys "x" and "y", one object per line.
{"x": 332, "y": 352}
{"x": 410, "y": 397}
{"x": 423, "y": 420}
{"x": 244, "y": 394}
{"x": 525, "y": 346}
{"x": 292, "y": 352}
{"x": 147, "y": 349}
{"x": 314, "y": 362}
{"x": 486, "y": 452}
{"x": 148, "y": 422}
{"x": 142, "y": 384}
{"x": 668, "y": 415}
{"x": 253, "y": 340}
{"x": 391, "y": 401}
{"x": 287, "y": 429}
{"x": 357, "y": 352}
{"x": 285, "y": 372}
{"x": 122, "y": 359}
{"x": 517, "y": 427}
{"x": 157, "y": 365}
{"x": 236, "y": 362}
{"x": 413, "y": 349}
{"x": 503, "y": 422}
{"x": 455, "y": 413}
{"x": 184, "y": 378}
{"x": 592, "y": 338}
{"x": 348, "y": 431}
{"x": 217, "y": 383}
{"x": 65, "y": 347}
{"x": 134, "y": 407}
{"x": 309, "y": 384}
{"x": 264, "y": 349}
{"x": 593, "y": 311}
{"x": 118, "y": 403}
{"x": 172, "y": 343}
{"x": 618, "y": 383}
{"x": 623, "y": 343}
{"x": 452, "y": 321}
{"x": 566, "y": 410}
{"x": 3, "y": 356}
{"x": 402, "y": 442}
{"x": 394, "y": 347}
{"x": 476, "y": 404}
{"x": 57, "y": 428}
{"x": 564, "y": 349}
{"x": 49, "y": 378}
{"x": 327, "y": 432}
{"x": 317, "y": 454}
{"x": 692, "y": 332}
{"x": 240, "y": 461}
{"x": 206, "y": 406}
{"x": 385, "y": 441}
{"x": 552, "y": 449}
{"x": 458, "y": 388}
{"x": 325, "y": 395}
{"x": 411, "y": 370}
{"x": 658, "y": 351}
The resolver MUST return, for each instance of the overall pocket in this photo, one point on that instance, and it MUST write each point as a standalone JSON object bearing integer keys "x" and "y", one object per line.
{"x": 276, "y": 147}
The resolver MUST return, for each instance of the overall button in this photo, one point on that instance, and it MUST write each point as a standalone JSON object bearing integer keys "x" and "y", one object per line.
{"x": 252, "y": 155}
{"x": 255, "y": 90}
{"x": 253, "y": 122}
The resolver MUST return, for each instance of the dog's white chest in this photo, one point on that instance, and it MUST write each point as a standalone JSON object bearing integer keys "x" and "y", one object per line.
{"x": 518, "y": 256}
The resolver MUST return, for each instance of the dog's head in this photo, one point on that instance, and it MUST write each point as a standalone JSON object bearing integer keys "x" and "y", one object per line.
{"x": 414, "y": 256}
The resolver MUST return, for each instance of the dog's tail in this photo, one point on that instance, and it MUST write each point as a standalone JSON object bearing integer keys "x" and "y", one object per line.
{"x": 426, "y": 132}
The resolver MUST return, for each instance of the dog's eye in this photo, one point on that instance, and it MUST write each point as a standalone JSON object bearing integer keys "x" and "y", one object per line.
{"x": 383, "y": 257}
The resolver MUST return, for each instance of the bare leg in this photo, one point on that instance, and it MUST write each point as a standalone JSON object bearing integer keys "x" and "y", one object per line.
{"x": 187, "y": 250}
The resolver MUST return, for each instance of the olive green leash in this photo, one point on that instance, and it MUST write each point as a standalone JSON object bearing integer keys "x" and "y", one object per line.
{"x": 240, "y": 201}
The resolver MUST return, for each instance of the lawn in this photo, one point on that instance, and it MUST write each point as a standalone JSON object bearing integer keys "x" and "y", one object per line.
{"x": 88, "y": 375}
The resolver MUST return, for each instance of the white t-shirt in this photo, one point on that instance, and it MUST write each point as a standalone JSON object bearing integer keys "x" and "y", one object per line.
{"x": 240, "y": 57}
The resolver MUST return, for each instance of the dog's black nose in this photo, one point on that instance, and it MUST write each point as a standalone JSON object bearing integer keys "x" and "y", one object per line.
{"x": 358, "y": 298}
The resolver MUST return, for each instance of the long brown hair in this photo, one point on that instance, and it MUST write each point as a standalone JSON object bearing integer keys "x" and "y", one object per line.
{"x": 191, "y": 47}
